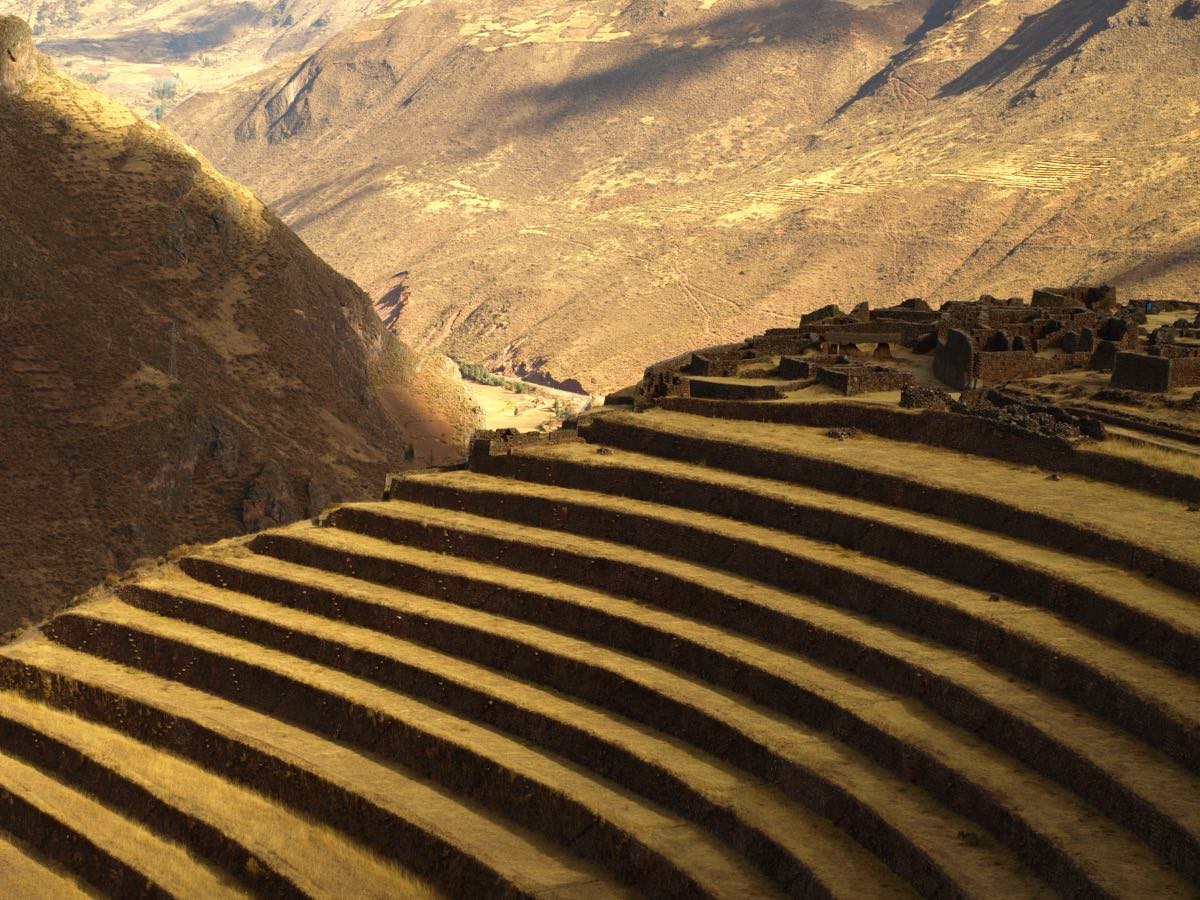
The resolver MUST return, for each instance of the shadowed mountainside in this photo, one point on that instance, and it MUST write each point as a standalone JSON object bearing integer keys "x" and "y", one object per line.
{"x": 164, "y": 341}
{"x": 579, "y": 189}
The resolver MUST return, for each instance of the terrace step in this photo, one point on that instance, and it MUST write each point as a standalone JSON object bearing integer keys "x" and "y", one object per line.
{"x": 1159, "y": 704}
{"x": 716, "y": 388}
{"x": 1121, "y": 605}
{"x": 913, "y": 833}
{"x": 109, "y": 852}
{"x": 267, "y": 846}
{"x": 876, "y": 723}
{"x": 461, "y": 847}
{"x": 642, "y": 843}
{"x": 786, "y": 842}
{"x": 1087, "y": 518}
{"x": 679, "y": 657}
{"x": 1040, "y": 729}
{"x": 947, "y": 430}
{"x": 1114, "y": 783}
{"x": 21, "y": 875}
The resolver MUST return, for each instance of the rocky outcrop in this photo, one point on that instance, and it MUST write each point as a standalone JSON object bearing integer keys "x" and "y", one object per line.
{"x": 270, "y": 501}
{"x": 18, "y": 59}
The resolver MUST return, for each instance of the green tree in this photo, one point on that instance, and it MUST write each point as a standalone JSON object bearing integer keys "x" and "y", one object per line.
{"x": 165, "y": 89}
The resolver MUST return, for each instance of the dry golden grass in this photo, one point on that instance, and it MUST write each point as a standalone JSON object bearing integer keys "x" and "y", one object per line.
{"x": 21, "y": 876}
{"x": 1159, "y": 457}
{"x": 1143, "y": 518}
{"x": 165, "y": 862}
{"x": 263, "y": 825}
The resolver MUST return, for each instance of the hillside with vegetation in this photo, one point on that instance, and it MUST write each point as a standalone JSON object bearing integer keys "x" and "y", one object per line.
{"x": 574, "y": 190}
{"x": 177, "y": 365}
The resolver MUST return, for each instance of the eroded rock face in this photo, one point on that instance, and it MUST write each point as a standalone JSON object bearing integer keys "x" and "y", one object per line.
{"x": 270, "y": 501}
{"x": 18, "y": 58}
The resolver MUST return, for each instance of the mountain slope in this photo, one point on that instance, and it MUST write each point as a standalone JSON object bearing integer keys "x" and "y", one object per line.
{"x": 166, "y": 342}
{"x": 577, "y": 189}
{"x": 128, "y": 50}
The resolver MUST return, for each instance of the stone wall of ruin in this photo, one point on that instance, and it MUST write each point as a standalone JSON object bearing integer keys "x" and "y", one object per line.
{"x": 851, "y": 380}
{"x": 1185, "y": 372}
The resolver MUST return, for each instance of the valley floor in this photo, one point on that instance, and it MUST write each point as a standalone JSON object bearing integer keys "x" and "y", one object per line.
{"x": 533, "y": 411}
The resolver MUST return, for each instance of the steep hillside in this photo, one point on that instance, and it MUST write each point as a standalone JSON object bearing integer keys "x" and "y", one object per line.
{"x": 164, "y": 342}
{"x": 575, "y": 189}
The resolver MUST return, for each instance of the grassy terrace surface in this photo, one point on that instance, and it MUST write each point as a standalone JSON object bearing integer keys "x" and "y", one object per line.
{"x": 1146, "y": 469}
{"x": 681, "y": 656}
{"x": 275, "y": 850}
{"x": 68, "y": 824}
{"x": 1087, "y": 507}
{"x": 21, "y": 875}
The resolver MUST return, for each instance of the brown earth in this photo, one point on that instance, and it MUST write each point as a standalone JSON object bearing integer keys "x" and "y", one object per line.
{"x": 163, "y": 338}
{"x": 576, "y": 189}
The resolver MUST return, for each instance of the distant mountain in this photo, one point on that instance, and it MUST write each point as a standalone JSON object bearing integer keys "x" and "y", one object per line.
{"x": 576, "y": 189}
{"x": 151, "y": 54}
{"x": 175, "y": 364}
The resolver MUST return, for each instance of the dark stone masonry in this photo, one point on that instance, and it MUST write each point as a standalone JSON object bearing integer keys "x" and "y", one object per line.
{"x": 973, "y": 344}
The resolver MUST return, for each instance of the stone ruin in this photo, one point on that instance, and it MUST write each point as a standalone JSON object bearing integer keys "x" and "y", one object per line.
{"x": 986, "y": 341}
{"x": 990, "y": 341}
{"x": 1020, "y": 416}
{"x": 1169, "y": 359}
{"x": 973, "y": 344}
{"x": 1098, "y": 299}
{"x": 847, "y": 376}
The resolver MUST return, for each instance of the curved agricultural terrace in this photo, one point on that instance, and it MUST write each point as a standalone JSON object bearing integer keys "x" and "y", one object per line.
{"x": 713, "y": 647}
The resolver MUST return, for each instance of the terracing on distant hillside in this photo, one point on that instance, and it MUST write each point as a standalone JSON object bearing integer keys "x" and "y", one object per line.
{"x": 574, "y": 188}
{"x": 807, "y": 644}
